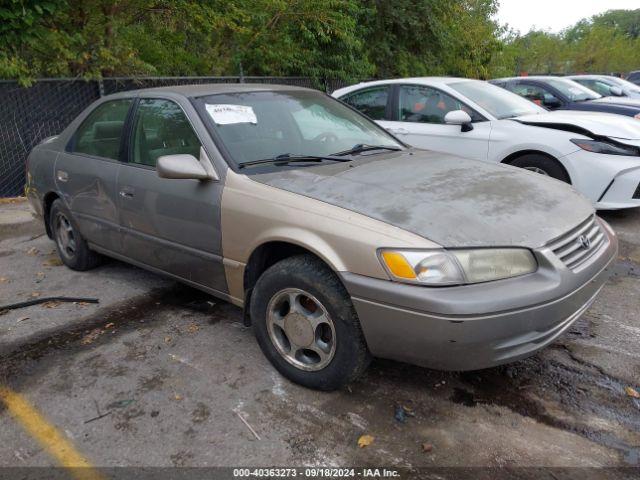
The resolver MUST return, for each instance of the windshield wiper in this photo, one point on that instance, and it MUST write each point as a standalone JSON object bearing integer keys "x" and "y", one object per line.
{"x": 361, "y": 147}
{"x": 287, "y": 158}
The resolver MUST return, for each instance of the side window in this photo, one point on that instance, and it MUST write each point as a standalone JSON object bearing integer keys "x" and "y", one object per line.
{"x": 600, "y": 87}
{"x": 101, "y": 132}
{"x": 428, "y": 105}
{"x": 161, "y": 128}
{"x": 538, "y": 95}
{"x": 372, "y": 101}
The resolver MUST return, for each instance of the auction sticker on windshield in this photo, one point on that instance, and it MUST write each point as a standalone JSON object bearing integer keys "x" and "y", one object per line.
{"x": 224, "y": 114}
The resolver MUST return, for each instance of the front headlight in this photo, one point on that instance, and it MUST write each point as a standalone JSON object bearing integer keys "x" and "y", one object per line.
{"x": 457, "y": 267}
{"x": 596, "y": 146}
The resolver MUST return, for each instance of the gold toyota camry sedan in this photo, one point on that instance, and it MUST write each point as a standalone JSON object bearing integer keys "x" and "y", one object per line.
{"x": 339, "y": 241}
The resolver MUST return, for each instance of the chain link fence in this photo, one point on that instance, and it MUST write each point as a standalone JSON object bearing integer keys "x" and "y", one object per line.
{"x": 30, "y": 114}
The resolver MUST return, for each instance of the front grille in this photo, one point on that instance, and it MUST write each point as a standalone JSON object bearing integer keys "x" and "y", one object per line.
{"x": 636, "y": 194}
{"x": 580, "y": 243}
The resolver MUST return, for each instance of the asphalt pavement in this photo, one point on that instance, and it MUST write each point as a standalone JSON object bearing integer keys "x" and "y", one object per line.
{"x": 159, "y": 374}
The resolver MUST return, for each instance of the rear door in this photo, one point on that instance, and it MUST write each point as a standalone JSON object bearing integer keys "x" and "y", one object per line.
{"x": 169, "y": 224}
{"x": 419, "y": 112}
{"x": 86, "y": 172}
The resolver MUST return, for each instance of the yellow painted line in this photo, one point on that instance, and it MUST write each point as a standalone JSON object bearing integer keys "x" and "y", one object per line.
{"x": 54, "y": 442}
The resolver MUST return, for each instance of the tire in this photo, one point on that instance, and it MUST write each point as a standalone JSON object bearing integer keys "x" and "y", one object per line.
{"x": 72, "y": 247}
{"x": 543, "y": 165}
{"x": 337, "y": 352}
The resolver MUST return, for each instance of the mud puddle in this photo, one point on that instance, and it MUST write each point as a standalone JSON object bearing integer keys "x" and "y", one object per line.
{"x": 565, "y": 394}
{"x": 625, "y": 268}
{"x": 118, "y": 319}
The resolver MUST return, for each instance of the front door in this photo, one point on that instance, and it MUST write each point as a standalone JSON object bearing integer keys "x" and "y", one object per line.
{"x": 419, "y": 121}
{"x": 87, "y": 170}
{"x": 169, "y": 224}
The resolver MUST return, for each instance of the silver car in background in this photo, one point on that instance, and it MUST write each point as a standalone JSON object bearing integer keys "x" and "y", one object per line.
{"x": 339, "y": 241}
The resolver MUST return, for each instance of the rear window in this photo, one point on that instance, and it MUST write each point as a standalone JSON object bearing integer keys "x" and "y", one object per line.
{"x": 100, "y": 134}
{"x": 371, "y": 101}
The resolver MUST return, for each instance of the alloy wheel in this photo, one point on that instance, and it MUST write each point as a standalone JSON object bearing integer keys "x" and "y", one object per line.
{"x": 65, "y": 236}
{"x": 301, "y": 329}
{"x": 537, "y": 170}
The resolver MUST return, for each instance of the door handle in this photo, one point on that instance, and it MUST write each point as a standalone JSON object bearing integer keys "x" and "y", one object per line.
{"x": 62, "y": 176}
{"x": 399, "y": 131}
{"x": 126, "y": 193}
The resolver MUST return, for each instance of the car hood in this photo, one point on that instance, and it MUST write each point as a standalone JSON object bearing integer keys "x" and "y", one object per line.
{"x": 626, "y": 102}
{"x": 449, "y": 200}
{"x": 590, "y": 123}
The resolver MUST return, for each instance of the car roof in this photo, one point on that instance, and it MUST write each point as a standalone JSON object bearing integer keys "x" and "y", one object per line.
{"x": 530, "y": 77}
{"x": 429, "y": 80}
{"x": 200, "y": 90}
{"x": 593, "y": 76}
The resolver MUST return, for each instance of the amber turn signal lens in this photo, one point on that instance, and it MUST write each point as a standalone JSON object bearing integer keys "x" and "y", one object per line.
{"x": 398, "y": 265}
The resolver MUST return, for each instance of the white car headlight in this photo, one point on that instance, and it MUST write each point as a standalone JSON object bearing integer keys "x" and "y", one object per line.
{"x": 457, "y": 267}
{"x": 596, "y": 146}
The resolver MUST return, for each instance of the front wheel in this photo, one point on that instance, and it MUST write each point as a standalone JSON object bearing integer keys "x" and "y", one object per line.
{"x": 306, "y": 325}
{"x": 542, "y": 165}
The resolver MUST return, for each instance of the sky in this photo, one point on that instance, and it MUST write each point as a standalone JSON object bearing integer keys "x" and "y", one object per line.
{"x": 554, "y": 15}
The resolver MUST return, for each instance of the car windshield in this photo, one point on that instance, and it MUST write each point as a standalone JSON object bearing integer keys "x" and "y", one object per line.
{"x": 625, "y": 84}
{"x": 497, "y": 101}
{"x": 572, "y": 90}
{"x": 261, "y": 125}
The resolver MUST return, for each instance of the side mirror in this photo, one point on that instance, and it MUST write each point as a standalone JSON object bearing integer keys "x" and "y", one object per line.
{"x": 459, "y": 117}
{"x": 181, "y": 166}
{"x": 616, "y": 91}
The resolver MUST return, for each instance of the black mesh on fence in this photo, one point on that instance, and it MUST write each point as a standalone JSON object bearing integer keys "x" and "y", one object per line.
{"x": 30, "y": 114}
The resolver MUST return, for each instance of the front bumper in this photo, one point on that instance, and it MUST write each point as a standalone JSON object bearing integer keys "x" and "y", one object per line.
{"x": 610, "y": 181}
{"x": 478, "y": 326}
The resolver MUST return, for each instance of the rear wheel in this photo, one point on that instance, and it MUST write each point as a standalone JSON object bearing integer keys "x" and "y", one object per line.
{"x": 72, "y": 247}
{"x": 306, "y": 325}
{"x": 543, "y": 165}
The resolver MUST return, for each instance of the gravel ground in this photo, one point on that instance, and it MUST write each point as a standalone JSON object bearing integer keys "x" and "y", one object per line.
{"x": 158, "y": 374}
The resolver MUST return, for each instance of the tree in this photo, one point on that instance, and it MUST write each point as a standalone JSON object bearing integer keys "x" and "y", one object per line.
{"x": 22, "y": 28}
{"x": 99, "y": 38}
{"x": 625, "y": 22}
{"x": 431, "y": 37}
{"x": 340, "y": 39}
{"x": 605, "y": 50}
{"x": 605, "y": 43}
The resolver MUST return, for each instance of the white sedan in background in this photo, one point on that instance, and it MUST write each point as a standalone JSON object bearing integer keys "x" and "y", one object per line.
{"x": 598, "y": 153}
{"x": 608, "y": 85}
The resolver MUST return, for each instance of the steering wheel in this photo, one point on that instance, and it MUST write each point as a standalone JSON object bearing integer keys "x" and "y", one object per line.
{"x": 326, "y": 137}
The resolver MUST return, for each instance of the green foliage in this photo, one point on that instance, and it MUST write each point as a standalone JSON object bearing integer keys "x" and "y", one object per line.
{"x": 93, "y": 38}
{"x": 23, "y": 28}
{"x": 626, "y": 22}
{"x": 340, "y": 39}
{"x": 605, "y": 43}
{"x": 431, "y": 37}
